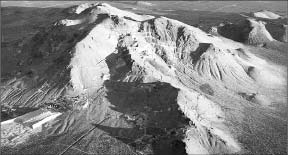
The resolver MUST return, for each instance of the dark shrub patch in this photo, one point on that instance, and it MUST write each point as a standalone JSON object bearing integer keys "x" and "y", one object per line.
{"x": 206, "y": 88}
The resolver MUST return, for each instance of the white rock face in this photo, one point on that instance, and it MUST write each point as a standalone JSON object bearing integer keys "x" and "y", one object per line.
{"x": 93, "y": 10}
{"x": 80, "y": 8}
{"x": 285, "y": 36}
{"x": 25, "y": 126}
{"x": 68, "y": 22}
{"x": 259, "y": 33}
{"x": 144, "y": 3}
{"x": 266, "y": 14}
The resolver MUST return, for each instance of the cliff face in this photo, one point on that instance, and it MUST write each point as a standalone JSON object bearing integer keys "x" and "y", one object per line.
{"x": 146, "y": 73}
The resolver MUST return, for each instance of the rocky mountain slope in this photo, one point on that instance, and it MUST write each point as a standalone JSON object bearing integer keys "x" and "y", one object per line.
{"x": 142, "y": 84}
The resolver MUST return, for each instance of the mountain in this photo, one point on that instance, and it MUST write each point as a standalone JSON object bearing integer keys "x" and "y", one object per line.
{"x": 143, "y": 84}
{"x": 249, "y": 31}
{"x": 268, "y": 34}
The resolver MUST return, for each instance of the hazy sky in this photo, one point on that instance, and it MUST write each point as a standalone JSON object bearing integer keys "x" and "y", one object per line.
{"x": 220, "y": 6}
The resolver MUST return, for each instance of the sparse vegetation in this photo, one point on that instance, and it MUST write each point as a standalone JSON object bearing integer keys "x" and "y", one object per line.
{"x": 207, "y": 89}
